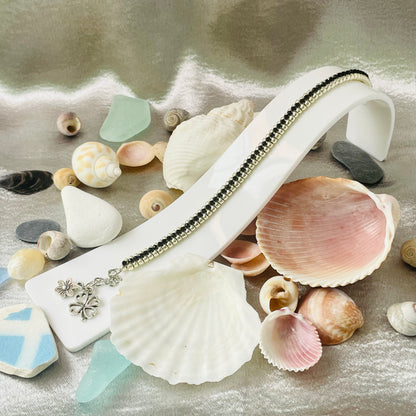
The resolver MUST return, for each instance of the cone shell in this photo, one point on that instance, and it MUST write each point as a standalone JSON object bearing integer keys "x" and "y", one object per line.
{"x": 95, "y": 164}
{"x": 288, "y": 341}
{"x": 326, "y": 232}
{"x": 187, "y": 322}
{"x": 333, "y": 313}
{"x": 198, "y": 142}
{"x": 137, "y": 153}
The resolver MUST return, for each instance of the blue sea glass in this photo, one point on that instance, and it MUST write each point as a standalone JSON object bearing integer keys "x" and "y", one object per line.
{"x": 106, "y": 364}
{"x": 127, "y": 117}
{"x": 3, "y": 275}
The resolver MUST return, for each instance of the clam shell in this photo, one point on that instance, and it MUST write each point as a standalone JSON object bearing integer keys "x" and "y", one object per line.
{"x": 187, "y": 322}
{"x": 198, "y": 142}
{"x": 27, "y": 182}
{"x": 174, "y": 117}
{"x": 95, "y": 164}
{"x": 159, "y": 149}
{"x": 326, "y": 232}
{"x": 278, "y": 292}
{"x": 288, "y": 341}
{"x": 54, "y": 245}
{"x": 402, "y": 317}
{"x": 25, "y": 263}
{"x": 65, "y": 177}
{"x": 153, "y": 202}
{"x": 68, "y": 124}
{"x": 137, "y": 153}
{"x": 253, "y": 267}
{"x": 241, "y": 251}
{"x": 333, "y": 313}
{"x": 408, "y": 252}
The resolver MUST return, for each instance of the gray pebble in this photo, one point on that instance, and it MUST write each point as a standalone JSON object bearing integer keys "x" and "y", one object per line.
{"x": 31, "y": 230}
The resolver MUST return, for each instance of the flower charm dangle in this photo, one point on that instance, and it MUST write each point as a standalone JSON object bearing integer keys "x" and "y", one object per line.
{"x": 86, "y": 305}
{"x": 66, "y": 288}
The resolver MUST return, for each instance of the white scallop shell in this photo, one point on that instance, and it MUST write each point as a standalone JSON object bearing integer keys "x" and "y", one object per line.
{"x": 402, "y": 317}
{"x": 327, "y": 232}
{"x": 95, "y": 164}
{"x": 198, "y": 142}
{"x": 289, "y": 341}
{"x": 187, "y": 322}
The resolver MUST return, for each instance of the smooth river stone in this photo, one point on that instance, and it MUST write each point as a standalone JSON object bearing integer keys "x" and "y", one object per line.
{"x": 127, "y": 117}
{"x": 27, "y": 182}
{"x": 3, "y": 275}
{"x": 90, "y": 221}
{"x": 106, "y": 364}
{"x": 27, "y": 346}
{"x": 30, "y": 231}
{"x": 360, "y": 164}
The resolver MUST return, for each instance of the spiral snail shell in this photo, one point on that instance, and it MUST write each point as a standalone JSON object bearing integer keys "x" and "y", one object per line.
{"x": 95, "y": 164}
{"x": 174, "y": 117}
{"x": 408, "y": 252}
{"x": 68, "y": 124}
{"x": 153, "y": 202}
{"x": 65, "y": 177}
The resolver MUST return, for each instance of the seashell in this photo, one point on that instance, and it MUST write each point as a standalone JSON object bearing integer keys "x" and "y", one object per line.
{"x": 187, "y": 322}
{"x": 68, "y": 124}
{"x": 333, "y": 313}
{"x": 25, "y": 263}
{"x": 153, "y": 202}
{"x": 241, "y": 251}
{"x": 159, "y": 150}
{"x": 174, "y": 117}
{"x": 253, "y": 267}
{"x": 250, "y": 229}
{"x": 408, "y": 252}
{"x": 65, "y": 177}
{"x": 313, "y": 230}
{"x": 278, "y": 292}
{"x": 95, "y": 164}
{"x": 288, "y": 341}
{"x": 402, "y": 317}
{"x": 54, "y": 245}
{"x": 198, "y": 142}
{"x": 136, "y": 153}
{"x": 27, "y": 182}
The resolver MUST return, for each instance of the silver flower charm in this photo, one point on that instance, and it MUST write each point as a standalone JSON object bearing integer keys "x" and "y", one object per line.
{"x": 66, "y": 288}
{"x": 86, "y": 305}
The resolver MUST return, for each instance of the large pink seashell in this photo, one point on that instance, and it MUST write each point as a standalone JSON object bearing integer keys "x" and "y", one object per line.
{"x": 326, "y": 232}
{"x": 241, "y": 251}
{"x": 289, "y": 341}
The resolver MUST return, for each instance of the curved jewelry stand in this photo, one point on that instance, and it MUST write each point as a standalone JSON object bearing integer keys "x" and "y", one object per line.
{"x": 370, "y": 126}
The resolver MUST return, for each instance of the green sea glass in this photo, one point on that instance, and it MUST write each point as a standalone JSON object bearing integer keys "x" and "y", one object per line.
{"x": 106, "y": 364}
{"x": 127, "y": 117}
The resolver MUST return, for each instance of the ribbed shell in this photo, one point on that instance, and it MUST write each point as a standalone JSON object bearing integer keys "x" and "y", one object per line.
{"x": 326, "y": 232}
{"x": 186, "y": 323}
{"x": 197, "y": 143}
{"x": 289, "y": 342}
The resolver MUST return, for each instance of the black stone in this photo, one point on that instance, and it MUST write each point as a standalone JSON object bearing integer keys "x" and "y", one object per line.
{"x": 360, "y": 164}
{"x": 30, "y": 231}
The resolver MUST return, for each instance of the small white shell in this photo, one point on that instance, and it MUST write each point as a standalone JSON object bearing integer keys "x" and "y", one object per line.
{"x": 278, "y": 292}
{"x": 95, "y": 164}
{"x": 198, "y": 142}
{"x": 25, "y": 263}
{"x": 402, "y": 317}
{"x": 68, "y": 124}
{"x": 187, "y": 322}
{"x": 241, "y": 251}
{"x": 289, "y": 342}
{"x": 153, "y": 202}
{"x": 54, "y": 245}
{"x": 137, "y": 153}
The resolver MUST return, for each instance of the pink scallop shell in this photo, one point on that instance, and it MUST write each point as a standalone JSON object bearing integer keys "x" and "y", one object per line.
{"x": 137, "y": 153}
{"x": 241, "y": 251}
{"x": 289, "y": 341}
{"x": 326, "y": 232}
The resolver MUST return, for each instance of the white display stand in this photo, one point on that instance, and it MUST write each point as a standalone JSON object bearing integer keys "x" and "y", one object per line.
{"x": 370, "y": 126}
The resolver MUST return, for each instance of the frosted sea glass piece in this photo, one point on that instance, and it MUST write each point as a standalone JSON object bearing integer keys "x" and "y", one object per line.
{"x": 127, "y": 117}
{"x": 3, "y": 275}
{"x": 106, "y": 364}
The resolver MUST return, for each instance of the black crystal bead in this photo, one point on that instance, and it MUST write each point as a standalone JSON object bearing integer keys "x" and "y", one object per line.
{"x": 208, "y": 207}
{"x": 124, "y": 263}
{"x": 227, "y": 187}
{"x": 160, "y": 244}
